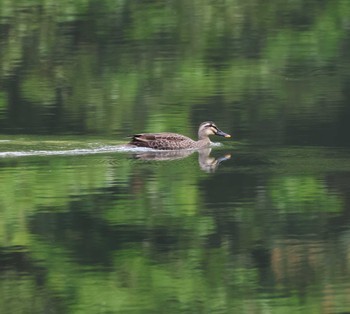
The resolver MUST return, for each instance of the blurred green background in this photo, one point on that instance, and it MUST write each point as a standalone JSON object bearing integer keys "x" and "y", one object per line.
{"x": 268, "y": 232}
{"x": 268, "y": 72}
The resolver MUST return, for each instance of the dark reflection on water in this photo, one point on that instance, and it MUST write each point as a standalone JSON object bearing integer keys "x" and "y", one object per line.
{"x": 265, "y": 226}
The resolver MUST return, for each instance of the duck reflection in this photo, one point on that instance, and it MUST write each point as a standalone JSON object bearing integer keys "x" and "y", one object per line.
{"x": 206, "y": 162}
{"x": 209, "y": 163}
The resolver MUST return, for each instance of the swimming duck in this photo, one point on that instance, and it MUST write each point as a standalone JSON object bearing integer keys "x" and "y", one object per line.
{"x": 173, "y": 141}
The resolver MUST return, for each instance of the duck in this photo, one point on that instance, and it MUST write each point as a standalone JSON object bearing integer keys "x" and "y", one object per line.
{"x": 174, "y": 141}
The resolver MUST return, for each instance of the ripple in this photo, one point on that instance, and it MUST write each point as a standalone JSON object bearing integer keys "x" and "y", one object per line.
{"x": 67, "y": 152}
{"x": 83, "y": 151}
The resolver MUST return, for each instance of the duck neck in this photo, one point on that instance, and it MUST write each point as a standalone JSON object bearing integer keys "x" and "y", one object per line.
{"x": 203, "y": 139}
{"x": 202, "y": 136}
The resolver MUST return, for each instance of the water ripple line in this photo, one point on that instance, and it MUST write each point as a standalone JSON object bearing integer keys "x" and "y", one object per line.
{"x": 70, "y": 152}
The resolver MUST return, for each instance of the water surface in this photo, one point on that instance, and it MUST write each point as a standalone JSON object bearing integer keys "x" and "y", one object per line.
{"x": 257, "y": 224}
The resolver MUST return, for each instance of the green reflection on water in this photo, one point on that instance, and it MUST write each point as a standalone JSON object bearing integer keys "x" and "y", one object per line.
{"x": 303, "y": 194}
{"x": 110, "y": 234}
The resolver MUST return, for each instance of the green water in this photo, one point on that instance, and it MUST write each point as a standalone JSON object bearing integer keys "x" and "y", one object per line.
{"x": 110, "y": 233}
{"x": 258, "y": 224}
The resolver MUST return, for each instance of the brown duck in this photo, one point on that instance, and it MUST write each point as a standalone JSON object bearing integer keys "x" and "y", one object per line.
{"x": 173, "y": 141}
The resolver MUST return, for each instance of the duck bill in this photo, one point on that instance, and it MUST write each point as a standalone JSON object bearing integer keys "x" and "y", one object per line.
{"x": 220, "y": 133}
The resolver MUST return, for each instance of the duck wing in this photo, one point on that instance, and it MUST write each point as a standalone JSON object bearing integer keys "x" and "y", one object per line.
{"x": 160, "y": 140}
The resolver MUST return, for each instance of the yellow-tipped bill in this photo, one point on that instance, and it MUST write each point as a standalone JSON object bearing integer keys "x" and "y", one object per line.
{"x": 220, "y": 133}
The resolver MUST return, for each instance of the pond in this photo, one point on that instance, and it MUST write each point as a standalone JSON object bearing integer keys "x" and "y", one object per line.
{"x": 258, "y": 223}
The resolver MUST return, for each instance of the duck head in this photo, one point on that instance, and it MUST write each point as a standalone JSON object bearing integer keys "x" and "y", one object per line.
{"x": 209, "y": 128}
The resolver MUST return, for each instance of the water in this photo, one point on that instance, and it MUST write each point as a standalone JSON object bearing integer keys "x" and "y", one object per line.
{"x": 107, "y": 232}
{"x": 256, "y": 224}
